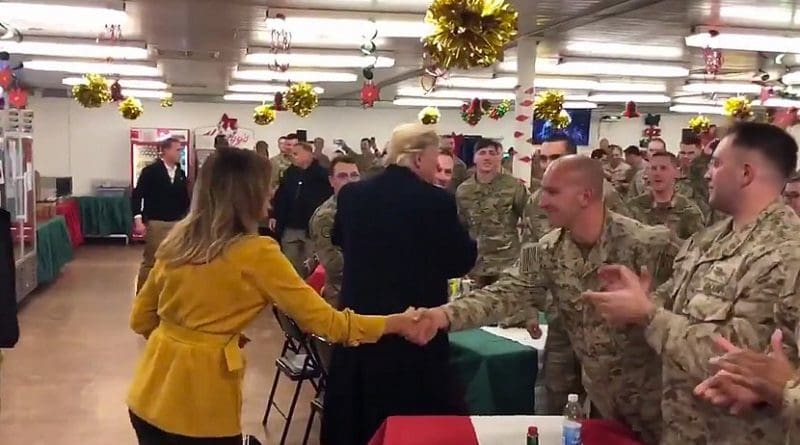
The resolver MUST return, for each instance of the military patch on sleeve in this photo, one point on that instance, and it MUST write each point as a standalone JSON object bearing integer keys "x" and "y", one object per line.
{"x": 528, "y": 258}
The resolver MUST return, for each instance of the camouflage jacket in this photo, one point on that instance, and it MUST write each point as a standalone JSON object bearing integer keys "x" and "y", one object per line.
{"x": 330, "y": 256}
{"x": 697, "y": 174}
{"x": 682, "y": 216}
{"x": 741, "y": 285}
{"x": 491, "y": 212}
{"x": 636, "y": 183}
{"x": 459, "y": 174}
{"x": 621, "y": 373}
{"x": 534, "y": 221}
{"x": 791, "y": 411}
{"x": 279, "y": 164}
{"x": 689, "y": 189}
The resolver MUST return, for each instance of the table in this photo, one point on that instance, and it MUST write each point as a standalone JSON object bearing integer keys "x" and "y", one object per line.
{"x": 498, "y": 374}
{"x": 492, "y": 430}
{"x": 106, "y": 216}
{"x": 53, "y": 249}
{"x": 71, "y": 212}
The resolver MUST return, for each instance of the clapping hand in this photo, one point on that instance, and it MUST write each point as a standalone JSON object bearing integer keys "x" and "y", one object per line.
{"x": 624, "y": 298}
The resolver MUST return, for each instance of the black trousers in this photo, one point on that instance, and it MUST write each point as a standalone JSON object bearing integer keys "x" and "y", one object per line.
{"x": 150, "y": 435}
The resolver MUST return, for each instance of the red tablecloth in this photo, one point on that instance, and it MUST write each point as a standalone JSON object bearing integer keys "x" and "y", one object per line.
{"x": 455, "y": 430}
{"x": 71, "y": 212}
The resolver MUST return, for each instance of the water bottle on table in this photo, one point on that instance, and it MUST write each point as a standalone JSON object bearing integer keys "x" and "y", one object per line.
{"x": 573, "y": 416}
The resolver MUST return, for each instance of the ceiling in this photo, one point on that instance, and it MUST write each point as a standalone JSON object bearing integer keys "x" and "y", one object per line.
{"x": 198, "y": 44}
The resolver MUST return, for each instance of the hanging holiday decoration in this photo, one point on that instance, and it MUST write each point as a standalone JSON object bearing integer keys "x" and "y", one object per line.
{"x": 784, "y": 117}
{"x": 630, "y": 110}
{"x": 280, "y": 44}
{"x": 166, "y": 102}
{"x": 18, "y": 98}
{"x": 429, "y": 116}
{"x": 548, "y": 105}
{"x": 562, "y": 121}
{"x": 738, "y": 107}
{"x": 712, "y": 57}
{"x": 116, "y": 91}
{"x": 473, "y": 111}
{"x": 277, "y": 102}
{"x": 497, "y": 112}
{"x": 227, "y": 123}
{"x": 111, "y": 34}
{"x": 469, "y": 33}
{"x": 368, "y": 48}
{"x": 652, "y": 131}
{"x": 700, "y": 124}
{"x": 6, "y": 77}
{"x": 263, "y": 114}
{"x": 93, "y": 92}
{"x": 131, "y": 108}
{"x": 431, "y": 73}
{"x": 370, "y": 93}
{"x": 301, "y": 99}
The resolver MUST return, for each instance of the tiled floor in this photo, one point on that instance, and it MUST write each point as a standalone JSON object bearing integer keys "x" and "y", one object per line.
{"x": 66, "y": 380}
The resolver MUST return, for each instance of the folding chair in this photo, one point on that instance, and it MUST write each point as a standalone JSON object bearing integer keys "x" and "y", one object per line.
{"x": 295, "y": 343}
{"x": 321, "y": 351}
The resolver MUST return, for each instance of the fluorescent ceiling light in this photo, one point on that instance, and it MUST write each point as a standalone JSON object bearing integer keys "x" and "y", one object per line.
{"x": 623, "y": 98}
{"x": 616, "y": 68}
{"x": 124, "y": 83}
{"x": 446, "y": 93}
{"x": 75, "y": 49}
{"x": 500, "y": 83}
{"x": 631, "y": 87}
{"x": 764, "y": 14}
{"x": 243, "y": 97}
{"x": 792, "y": 78}
{"x": 696, "y": 100}
{"x": 294, "y": 75}
{"x": 698, "y": 109}
{"x": 316, "y": 28}
{"x": 559, "y": 83}
{"x": 778, "y": 102}
{"x": 564, "y": 84}
{"x": 579, "y": 105}
{"x": 319, "y": 60}
{"x": 542, "y": 64}
{"x": 723, "y": 87}
{"x": 31, "y": 15}
{"x": 745, "y": 42}
{"x": 424, "y": 102}
{"x": 624, "y": 50}
{"x": 152, "y": 94}
{"x": 263, "y": 88}
{"x": 122, "y": 69}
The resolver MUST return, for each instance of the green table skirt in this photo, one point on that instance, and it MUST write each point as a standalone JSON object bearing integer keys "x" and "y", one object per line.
{"x": 53, "y": 249}
{"x": 105, "y": 215}
{"x": 498, "y": 374}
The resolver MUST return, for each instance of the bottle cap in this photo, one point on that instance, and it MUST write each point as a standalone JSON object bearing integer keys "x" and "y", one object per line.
{"x": 572, "y": 398}
{"x": 533, "y": 431}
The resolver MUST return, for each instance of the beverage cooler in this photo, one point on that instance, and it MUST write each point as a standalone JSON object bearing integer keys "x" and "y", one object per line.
{"x": 17, "y": 194}
{"x": 144, "y": 151}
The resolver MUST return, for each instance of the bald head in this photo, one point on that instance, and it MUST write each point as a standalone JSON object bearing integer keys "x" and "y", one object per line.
{"x": 580, "y": 171}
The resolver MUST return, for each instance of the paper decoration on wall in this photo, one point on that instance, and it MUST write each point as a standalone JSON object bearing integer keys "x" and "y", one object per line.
{"x": 652, "y": 130}
{"x": 228, "y": 127}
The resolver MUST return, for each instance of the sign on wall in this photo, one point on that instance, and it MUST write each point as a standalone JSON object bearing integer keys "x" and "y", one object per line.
{"x": 229, "y": 127}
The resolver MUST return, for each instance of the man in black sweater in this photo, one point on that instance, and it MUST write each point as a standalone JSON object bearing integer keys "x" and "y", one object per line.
{"x": 303, "y": 188}
{"x": 164, "y": 189}
{"x": 9, "y": 327}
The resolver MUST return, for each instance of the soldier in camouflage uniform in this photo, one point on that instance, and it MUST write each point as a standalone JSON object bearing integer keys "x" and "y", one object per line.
{"x": 490, "y": 204}
{"x": 460, "y": 174}
{"x": 344, "y": 170}
{"x": 739, "y": 279}
{"x": 283, "y": 160}
{"x": 692, "y": 183}
{"x": 620, "y": 371}
{"x": 662, "y": 205}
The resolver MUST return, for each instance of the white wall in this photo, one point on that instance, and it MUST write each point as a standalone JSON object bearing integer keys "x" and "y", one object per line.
{"x": 92, "y": 144}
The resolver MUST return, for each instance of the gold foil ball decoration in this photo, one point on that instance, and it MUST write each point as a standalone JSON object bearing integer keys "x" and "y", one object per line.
{"x": 131, "y": 108}
{"x": 469, "y": 33}
{"x": 700, "y": 124}
{"x": 301, "y": 99}
{"x": 562, "y": 121}
{"x": 429, "y": 115}
{"x": 166, "y": 102}
{"x": 93, "y": 92}
{"x": 263, "y": 114}
{"x": 548, "y": 105}
{"x": 738, "y": 107}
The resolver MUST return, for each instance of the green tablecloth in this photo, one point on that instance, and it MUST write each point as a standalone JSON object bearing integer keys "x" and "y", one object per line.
{"x": 53, "y": 249}
{"x": 105, "y": 215}
{"x": 498, "y": 374}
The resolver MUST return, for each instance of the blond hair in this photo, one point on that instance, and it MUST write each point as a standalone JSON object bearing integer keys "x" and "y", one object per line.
{"x": 410, "y": 139}
{"x": 228, "y": 201}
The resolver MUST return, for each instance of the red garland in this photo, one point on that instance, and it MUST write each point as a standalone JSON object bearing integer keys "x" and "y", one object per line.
{"x": 370, "y": 93}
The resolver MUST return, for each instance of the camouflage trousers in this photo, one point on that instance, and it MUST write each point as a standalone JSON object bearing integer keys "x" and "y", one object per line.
{"x": 561, "y": 369}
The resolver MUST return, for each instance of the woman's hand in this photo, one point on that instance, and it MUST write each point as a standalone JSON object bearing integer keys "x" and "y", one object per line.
{"x": 412, "y": 325}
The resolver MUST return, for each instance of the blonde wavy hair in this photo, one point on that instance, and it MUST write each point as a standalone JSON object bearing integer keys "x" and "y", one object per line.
{"x": 409, "y": 140}
{"x": 229, "y": 199}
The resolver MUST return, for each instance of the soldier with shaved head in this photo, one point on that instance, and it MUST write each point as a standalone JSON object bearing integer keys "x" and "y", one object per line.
{"x": 621, "y": 373}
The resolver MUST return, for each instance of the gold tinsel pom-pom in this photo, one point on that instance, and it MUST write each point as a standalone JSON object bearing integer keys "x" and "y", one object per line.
{"x": 548, "y": 105}
{"x": 562, "y": 121}
{"x": 469, "y": 33}
{"x": 263, "y": 114}
{"x": 166, "y": 102}
{"x": 429, "y": 116}
{"x": 301, "y": 99}
{"x": 699, "y": 124}
{"x": 131, "y": 108}
{"x": 93, "y": 92}
{"x": 738, "y": 107}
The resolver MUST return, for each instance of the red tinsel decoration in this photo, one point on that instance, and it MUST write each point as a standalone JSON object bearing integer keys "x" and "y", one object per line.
{"x": 630, "y": 110}
{"x": 6, "y": 77}
{"x": 370, "y": 93}
{"x": 18, "y": 98}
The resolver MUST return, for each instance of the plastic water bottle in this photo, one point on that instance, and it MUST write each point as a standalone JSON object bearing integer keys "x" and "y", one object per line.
{"x": 573, "y": 415}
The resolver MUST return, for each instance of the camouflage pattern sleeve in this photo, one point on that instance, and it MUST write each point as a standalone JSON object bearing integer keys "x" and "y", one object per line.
{"x": 534, "y": 220}
{"x": 614, "y": 201}
{"x": 521, "y": 289}
{"x": 770, "y": 281}
{"x": 692, "y": 220}
{"x": 521, "y": 197}
{"x": 791, "y": 410}
{"x": 320, "y": 228}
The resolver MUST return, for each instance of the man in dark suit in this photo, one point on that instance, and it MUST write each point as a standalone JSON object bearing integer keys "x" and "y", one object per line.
{"x": 9, "y": 328}
{"x": 401, "y": 241}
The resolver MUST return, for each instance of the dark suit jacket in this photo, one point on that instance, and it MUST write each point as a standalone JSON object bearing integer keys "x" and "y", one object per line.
{"x": 9, "y": 329}
{"x": 401, "y": 240}
{"x": 299, "y": 194}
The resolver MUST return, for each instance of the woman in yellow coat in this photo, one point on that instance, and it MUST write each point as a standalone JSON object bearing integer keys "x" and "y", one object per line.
{"x": 213, "y": 275}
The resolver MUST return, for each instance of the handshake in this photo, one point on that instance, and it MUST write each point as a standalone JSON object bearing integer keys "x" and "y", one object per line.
{"x": 418, "y": 326}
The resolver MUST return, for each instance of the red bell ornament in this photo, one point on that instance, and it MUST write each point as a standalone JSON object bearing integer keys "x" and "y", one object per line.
{"x": 18, "y": 98}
